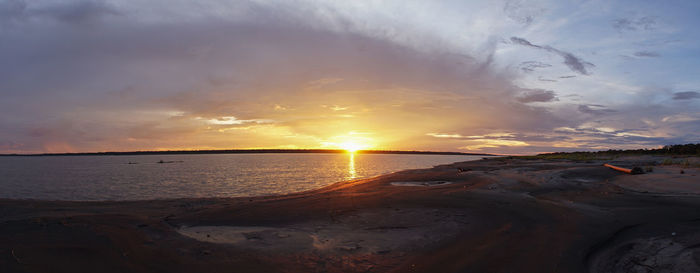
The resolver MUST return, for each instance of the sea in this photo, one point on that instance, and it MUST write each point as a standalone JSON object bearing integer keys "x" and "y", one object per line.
{"x": 147, "y": 177}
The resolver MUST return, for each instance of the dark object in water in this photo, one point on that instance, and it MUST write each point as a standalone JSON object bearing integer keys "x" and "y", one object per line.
{"x": 175, "y": 161}
{"x": 635, "y": 170}
{"x": 682, "y": 171}
{"x": 131, "y": 163}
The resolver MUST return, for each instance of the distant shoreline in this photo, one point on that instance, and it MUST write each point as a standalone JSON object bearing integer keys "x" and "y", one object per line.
{"x": 250, "y": 151}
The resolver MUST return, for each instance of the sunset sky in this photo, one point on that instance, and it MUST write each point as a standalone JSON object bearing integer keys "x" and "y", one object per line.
{"x": 473, "y": 76}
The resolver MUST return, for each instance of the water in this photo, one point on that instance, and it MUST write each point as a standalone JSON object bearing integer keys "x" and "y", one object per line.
{"x": 191, "y": 176}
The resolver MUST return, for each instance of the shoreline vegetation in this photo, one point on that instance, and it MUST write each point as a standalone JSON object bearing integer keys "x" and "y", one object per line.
{"x": 248, "y": 151}
{"x": 668, "y": 150}
{"x": 683, "y": 155}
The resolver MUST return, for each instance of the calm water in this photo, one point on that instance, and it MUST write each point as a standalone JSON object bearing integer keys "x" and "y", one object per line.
{"x": 217, "y": 175}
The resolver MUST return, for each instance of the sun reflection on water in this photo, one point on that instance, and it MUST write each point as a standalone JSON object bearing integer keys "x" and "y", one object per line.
{"x": 352, "y": 174}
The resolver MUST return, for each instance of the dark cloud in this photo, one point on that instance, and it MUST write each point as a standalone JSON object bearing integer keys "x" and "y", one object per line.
{"x": 11, "y": 10}
{"x": 537, "y": 95}
{"x": 522, "y": 12}
{"x": 594, "y": 109}
{"x": 567, "y": 77}
{"x": 540, "y": 78}
{"x": 522, "y": 41}
{"x": 81, "y": 12}
{"x": 530, "y": 66}
{"x": 686, "y": 95}
{"x": 574, "y": 63}
{"x": 647, "y": 54}
{"x": 77, "y": 12}
{"x": 625, "y": 57}
{"x": 631, "y": 24}
{"x": 623, "y": 24}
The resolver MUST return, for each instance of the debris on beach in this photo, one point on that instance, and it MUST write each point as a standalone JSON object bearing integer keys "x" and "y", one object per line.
{"x": 635, "y": 170}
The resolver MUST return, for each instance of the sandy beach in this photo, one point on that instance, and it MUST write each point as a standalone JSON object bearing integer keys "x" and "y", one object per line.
{"x": 497, "y": 215}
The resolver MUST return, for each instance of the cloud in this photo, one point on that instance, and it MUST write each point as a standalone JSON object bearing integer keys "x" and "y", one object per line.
{"x": 594, "y": 109}
{"x": 542, "y": 79}
{"x": 681, "y": 118}
{"x": 478, "y": 142}
{"x": 131, "y": 75}
{"x": 82, "y": 12}
{"x": 688, "y": 95}
{"x": 634, "y": 24}
{"x": 202, "y": 83}
{"x": 72, "y": 12}
{"x": 523, "y": 12}
{"x": 530, "y": 66}
{"x": 443, "y": 135}
{"x": 11, "y": 10}
{"x": 647, "y": 54}
{"x": 524, "y": 42}
{"x": 537, "y": 95}
{"x": 574, "y": 63}
{"x": 607, "y": 134}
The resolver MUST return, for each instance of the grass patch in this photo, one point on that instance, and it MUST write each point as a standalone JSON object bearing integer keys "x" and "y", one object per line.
{"x": 579, "y": 156}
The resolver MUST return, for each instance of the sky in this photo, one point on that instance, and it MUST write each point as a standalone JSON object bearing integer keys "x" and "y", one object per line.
{"x": 507, "y": 77}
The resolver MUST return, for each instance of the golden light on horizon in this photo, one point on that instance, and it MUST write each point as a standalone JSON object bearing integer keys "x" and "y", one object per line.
{"x": 351, "y": 142}
{"x": 352, "y": 146}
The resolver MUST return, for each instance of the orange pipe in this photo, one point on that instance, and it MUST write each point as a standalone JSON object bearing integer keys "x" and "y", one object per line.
{"x": 635, "y": 170}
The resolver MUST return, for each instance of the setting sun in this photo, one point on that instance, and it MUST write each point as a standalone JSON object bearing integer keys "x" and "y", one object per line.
{"x": 351, "y": 141}
{"x": 352, "y": 146}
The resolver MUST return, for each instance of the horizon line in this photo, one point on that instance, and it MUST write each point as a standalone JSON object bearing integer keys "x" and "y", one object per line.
{"x": 245, "y": 151}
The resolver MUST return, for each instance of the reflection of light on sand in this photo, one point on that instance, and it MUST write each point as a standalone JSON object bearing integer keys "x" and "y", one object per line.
{"x": 373, "y": 231}
{"x": 215, "y": 234}
{"x": 352, "y": 174}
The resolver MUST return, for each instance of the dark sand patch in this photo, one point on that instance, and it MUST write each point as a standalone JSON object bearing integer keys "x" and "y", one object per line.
{"x": 663, "y": 180}
{"x": 669, "y": 247}
{"x": 420, "y": 183}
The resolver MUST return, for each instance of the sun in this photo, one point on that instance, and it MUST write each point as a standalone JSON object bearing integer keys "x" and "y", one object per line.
{"x": 351, "y": 146}
{"x": 350, "y": 142}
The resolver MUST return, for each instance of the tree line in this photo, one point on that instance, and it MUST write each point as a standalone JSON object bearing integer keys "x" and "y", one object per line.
{"x": 677, "y": 149}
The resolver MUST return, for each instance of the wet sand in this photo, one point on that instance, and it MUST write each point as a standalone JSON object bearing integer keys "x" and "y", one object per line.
{"x": 501, "y": 215}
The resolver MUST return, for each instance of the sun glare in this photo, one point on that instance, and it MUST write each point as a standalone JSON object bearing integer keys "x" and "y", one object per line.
{"x": 350, "y": 142}
{"x": 351, "y": 146}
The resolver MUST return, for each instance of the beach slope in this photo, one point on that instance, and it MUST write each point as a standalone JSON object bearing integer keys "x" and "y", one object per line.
{"x": 495, "y": 215}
